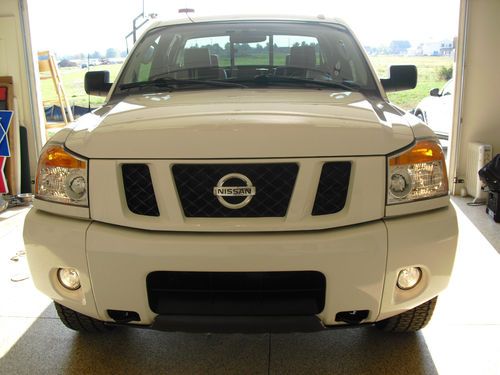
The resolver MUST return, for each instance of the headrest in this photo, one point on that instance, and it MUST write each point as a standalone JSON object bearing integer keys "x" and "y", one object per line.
{"x": 303, "y": 56}
{"x": 196, "y": 58}
{"x": 214, "y": 60}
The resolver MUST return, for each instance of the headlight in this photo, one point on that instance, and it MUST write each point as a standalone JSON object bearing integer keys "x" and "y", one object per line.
{"x": 61, "y": 176}
{"x": 418, "y": 173}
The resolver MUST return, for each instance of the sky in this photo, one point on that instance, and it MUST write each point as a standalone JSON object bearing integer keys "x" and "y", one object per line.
{"x": 72, "y": 26}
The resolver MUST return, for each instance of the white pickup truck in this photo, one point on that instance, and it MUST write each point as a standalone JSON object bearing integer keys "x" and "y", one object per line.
{"x": 244, "y": 175}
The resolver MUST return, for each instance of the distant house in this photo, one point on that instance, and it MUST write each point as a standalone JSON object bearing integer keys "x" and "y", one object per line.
{"x": 447, "y": 48}
{"x": 415, "y": 51}
{"x": 441, "y": 48}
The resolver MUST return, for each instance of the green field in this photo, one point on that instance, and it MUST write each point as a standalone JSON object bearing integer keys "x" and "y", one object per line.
{"x": 427, "y": 79}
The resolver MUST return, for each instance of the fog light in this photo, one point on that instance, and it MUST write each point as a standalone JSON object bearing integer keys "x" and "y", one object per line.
{"x": 409, "y": 277}
{"x": 69, "y": 278}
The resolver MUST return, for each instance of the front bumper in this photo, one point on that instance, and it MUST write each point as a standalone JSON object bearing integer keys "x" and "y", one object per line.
{"x": 360, "y": 262}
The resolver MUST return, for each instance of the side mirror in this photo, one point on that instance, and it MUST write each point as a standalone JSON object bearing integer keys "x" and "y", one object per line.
{"x": 401, "y": 77}
{"x": 97, "y": 83}
{"x": 434, "y": 92}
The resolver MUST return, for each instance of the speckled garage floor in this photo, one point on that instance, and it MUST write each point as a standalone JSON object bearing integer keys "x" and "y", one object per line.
{"x": 463, "y": 337}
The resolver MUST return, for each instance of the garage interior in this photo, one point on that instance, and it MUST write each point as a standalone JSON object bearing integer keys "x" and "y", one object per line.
{"x": 461, "y": 338}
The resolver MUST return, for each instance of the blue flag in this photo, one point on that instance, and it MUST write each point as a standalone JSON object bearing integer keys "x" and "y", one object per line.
{"x": 5, "y": 117}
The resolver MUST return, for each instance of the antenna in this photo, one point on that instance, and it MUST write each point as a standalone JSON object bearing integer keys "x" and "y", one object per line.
{"x": 187, "y": 11}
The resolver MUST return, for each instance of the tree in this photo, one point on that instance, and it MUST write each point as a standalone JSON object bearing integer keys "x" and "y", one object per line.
{"x": 399, "y": 47}
{"x": 95, "y": 55}
{"x": 111, "y": 53}
{"x": 65, "y": 63}
{"x": 215, "y": 49}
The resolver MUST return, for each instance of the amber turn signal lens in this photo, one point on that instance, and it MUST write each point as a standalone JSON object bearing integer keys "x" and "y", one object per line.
{"x": 422, "y": 152}
{"x": 56, "y": 156}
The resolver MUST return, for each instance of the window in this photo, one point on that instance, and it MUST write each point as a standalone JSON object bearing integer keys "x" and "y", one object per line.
{"x": 246, "y": 50}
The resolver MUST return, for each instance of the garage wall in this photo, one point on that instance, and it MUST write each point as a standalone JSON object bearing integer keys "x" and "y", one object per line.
{"x": 17, "y": 61}
{"x": 481, "y": 95}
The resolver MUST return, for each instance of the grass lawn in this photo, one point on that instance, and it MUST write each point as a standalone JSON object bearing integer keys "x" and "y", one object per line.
{"x": 427, "y": 79}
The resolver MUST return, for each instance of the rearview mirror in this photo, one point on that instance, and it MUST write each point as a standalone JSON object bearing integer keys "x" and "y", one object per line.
{"x": 97, "y": 83}
{"x": 248, "y": 37}
{"x": 434, "y": 92}
{"x": 401, "y": 77}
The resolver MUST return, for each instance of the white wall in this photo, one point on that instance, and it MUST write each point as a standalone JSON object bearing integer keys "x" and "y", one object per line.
{"x": 13, "y": 62}
{"x": 481, "y": 95}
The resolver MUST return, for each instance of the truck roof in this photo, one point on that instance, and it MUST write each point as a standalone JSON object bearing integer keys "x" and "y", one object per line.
{"x": 239, "y": 17}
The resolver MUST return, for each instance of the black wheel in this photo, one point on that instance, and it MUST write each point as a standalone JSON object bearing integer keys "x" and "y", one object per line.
{"x": 79, "y": 322}
{"x": 411, "y": 320}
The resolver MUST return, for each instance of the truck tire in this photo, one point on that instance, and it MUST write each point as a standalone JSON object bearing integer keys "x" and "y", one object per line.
{"x": 411, "y": 320}
{"x": 79, "y": 322}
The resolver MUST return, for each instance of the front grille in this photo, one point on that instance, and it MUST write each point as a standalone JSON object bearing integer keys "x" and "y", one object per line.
{"x": 274, "y": 185}
{"x": 236, "y": 293}
{"x": 139, "y": 191}
{"x": 332, "y": 188}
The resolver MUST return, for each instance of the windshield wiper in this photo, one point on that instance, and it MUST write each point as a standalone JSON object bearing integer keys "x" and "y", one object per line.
{"x": 271, "y": 79}
{"x": 172, "y": 83}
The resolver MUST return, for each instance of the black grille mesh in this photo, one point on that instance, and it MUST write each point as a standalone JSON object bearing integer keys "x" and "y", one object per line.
{"x": 139, "y": 190}
{"x": 332, "y": 188}
{"x": 236, "y": 293}
{"x": 273, "y": 182}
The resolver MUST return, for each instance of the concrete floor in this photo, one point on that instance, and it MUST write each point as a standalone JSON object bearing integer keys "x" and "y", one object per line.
{"x": 477, "y": 215}
{"x": 462, "y": 338}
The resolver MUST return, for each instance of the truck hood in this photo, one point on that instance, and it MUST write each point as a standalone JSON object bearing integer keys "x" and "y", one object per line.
{"x": 241, "y": 123}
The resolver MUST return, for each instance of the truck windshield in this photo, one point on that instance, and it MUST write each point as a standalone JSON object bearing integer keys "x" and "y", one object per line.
{"x": 248, "y": 53}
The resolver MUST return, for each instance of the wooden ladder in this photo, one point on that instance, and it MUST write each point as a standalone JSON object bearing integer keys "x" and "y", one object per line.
{"x": 48, "y": 70}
